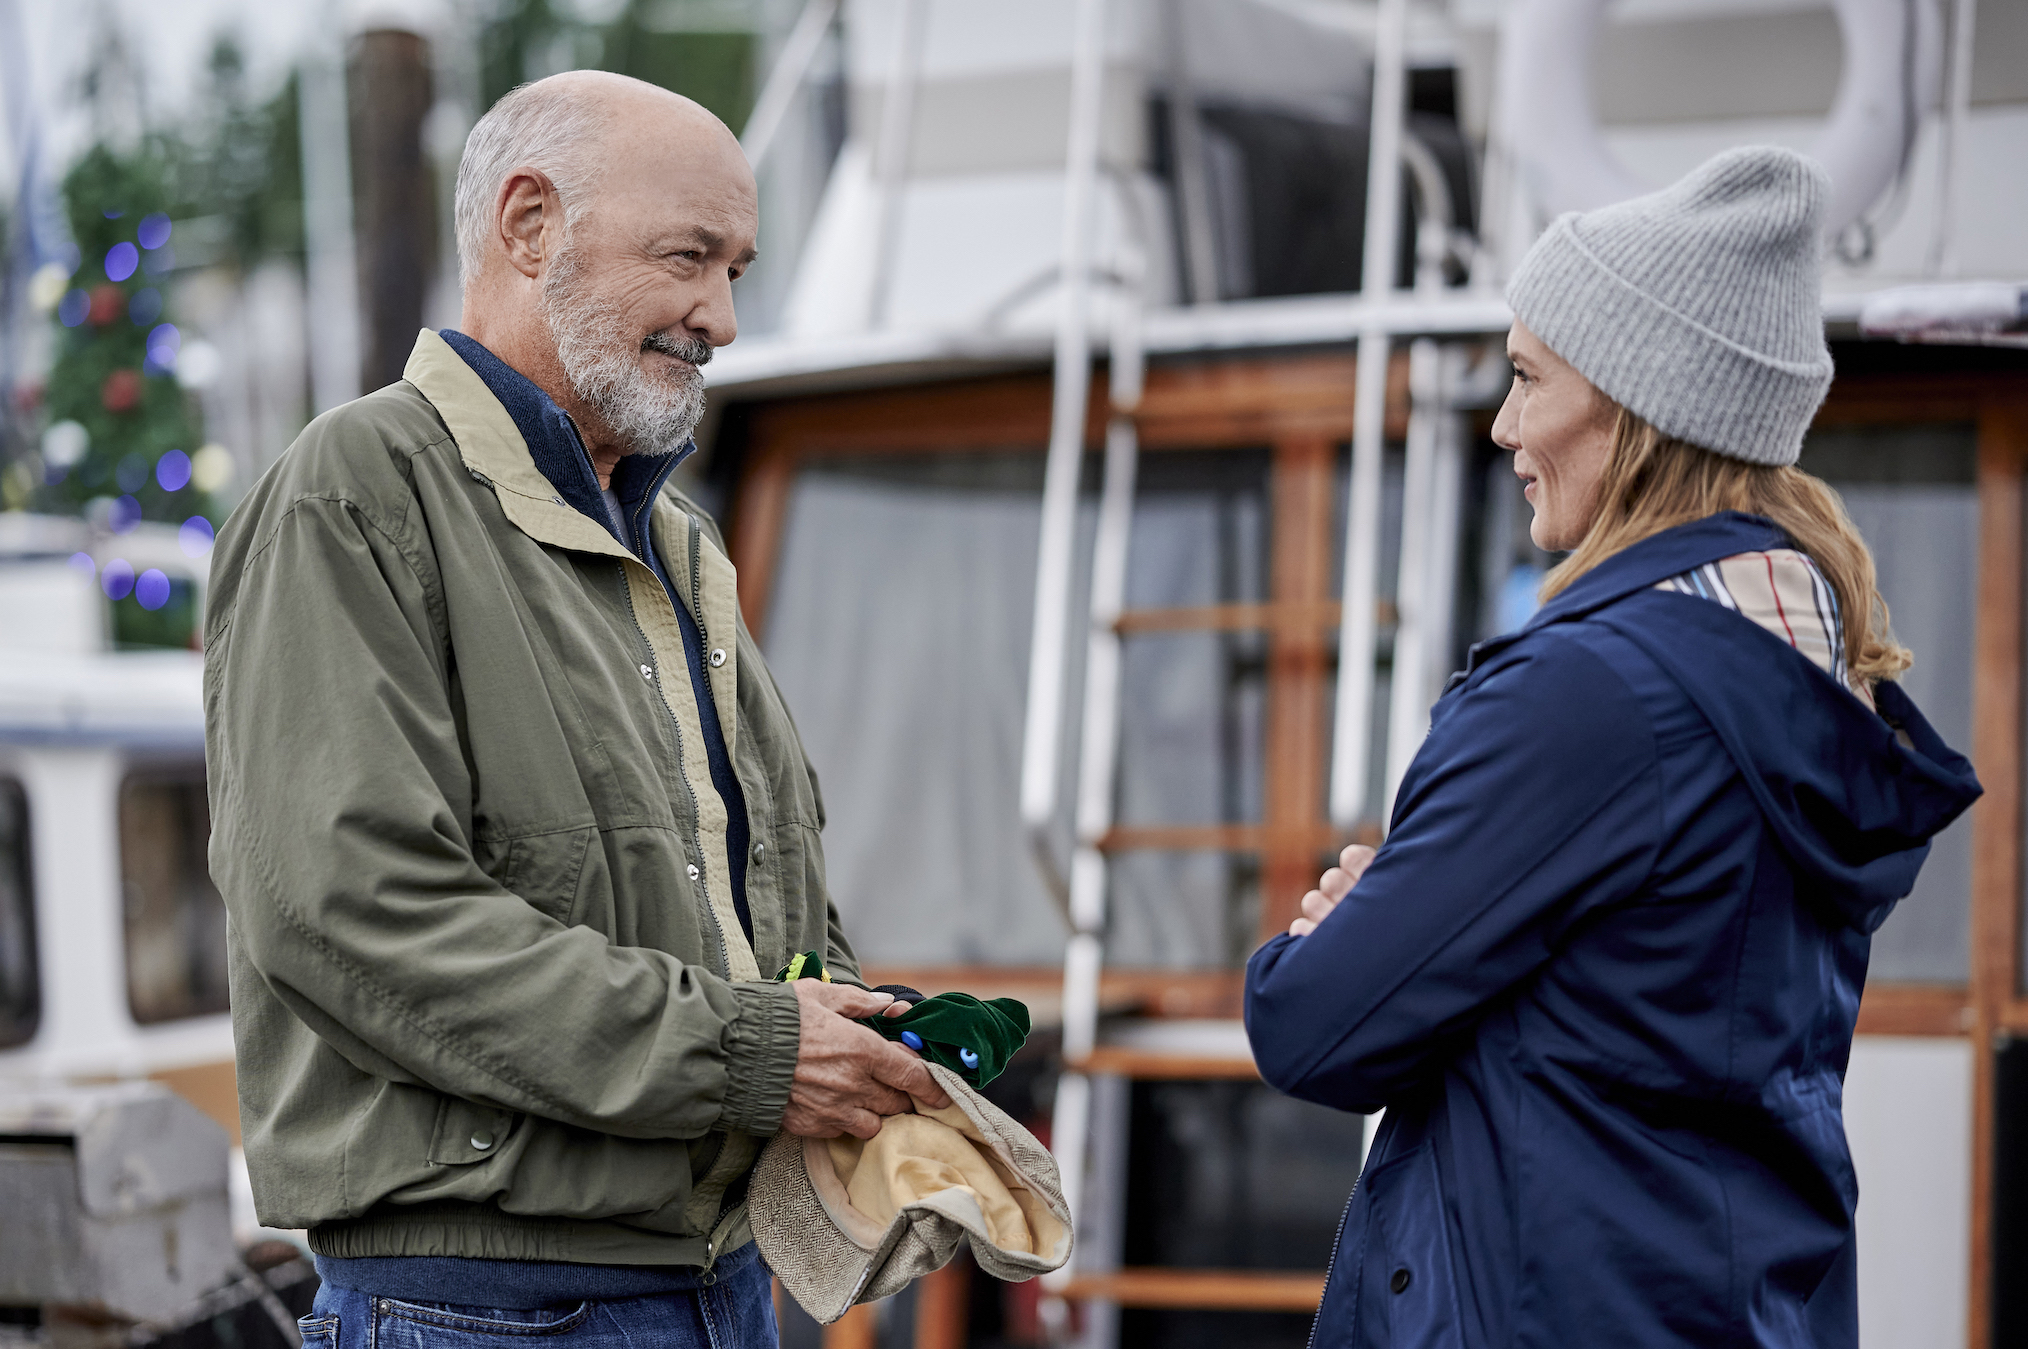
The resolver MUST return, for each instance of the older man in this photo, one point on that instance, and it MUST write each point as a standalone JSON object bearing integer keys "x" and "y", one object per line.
{"x": 510, "y": 818}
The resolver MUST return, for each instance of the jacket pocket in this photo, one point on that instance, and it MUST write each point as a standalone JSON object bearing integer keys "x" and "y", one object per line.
{"x": 468, "y": 1132}
{"x": 1408, "y": 1296}
{"x": 547, "y": 870}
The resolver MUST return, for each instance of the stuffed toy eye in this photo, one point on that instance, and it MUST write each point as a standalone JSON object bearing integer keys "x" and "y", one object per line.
{"x": 969, "y": 1058}
{"x": 914, "y": 1041}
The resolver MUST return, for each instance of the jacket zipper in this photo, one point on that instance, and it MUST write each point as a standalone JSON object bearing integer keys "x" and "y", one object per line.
{"x": 1331, "y": 1265}
{"x": 675, "y": 731}
{"x": 697, "y": 839}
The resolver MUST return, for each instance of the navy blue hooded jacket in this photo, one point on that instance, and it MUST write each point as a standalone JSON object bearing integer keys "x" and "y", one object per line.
{"x": 1603, "y": 977}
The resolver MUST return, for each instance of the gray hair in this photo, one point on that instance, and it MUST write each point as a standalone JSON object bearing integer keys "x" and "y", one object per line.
{"x": 535, "y": 127}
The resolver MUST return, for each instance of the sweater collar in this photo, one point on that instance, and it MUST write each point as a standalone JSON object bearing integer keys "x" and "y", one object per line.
{"x": 559, "y": 453}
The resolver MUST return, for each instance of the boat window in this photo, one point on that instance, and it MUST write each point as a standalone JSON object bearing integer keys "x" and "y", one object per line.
{"x": 20, "y": 993}
{"x": 898, "y": 627}
{"x": 175, "y": 920}
{"x": 1913, "y": 492}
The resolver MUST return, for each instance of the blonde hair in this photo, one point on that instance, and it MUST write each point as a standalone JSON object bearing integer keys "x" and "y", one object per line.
{"x": 1654, "y": 482}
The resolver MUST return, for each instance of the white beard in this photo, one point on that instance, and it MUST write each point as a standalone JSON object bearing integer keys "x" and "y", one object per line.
{"x": 652, "y": 414}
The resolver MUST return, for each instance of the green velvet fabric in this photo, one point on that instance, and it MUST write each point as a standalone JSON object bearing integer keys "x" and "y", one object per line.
{"x": 973, "y": 1039}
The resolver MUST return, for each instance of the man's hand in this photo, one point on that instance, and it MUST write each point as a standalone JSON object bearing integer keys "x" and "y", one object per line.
{"x": 1334, "y": 886}
{"x": 846, "y": 1076}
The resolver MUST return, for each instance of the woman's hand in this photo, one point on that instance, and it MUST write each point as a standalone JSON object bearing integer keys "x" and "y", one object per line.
{"x": 1334, "y": 886}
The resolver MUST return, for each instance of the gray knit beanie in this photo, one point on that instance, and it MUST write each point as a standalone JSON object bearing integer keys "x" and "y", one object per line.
{"x": 1696, "y": 308}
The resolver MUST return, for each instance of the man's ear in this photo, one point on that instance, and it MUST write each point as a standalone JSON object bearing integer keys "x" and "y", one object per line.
{"x": 529, "y": 219}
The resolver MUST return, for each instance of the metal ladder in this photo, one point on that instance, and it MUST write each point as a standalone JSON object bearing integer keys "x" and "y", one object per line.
{"x": 1090, "y": 1123}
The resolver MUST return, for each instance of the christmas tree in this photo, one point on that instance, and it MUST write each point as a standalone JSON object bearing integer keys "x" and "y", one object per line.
{"x": 120, "y": 426}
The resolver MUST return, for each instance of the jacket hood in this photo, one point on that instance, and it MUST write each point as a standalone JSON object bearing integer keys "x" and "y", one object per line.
{"x": 1853, "y": 795}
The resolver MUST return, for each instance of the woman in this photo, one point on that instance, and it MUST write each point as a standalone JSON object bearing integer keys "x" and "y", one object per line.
{"x": 1604, "y": 972}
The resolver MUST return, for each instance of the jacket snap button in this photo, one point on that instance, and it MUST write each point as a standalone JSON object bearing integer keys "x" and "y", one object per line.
{"x": 647, "y": 672}
{"x": 1399, "y": 1283}
{"x": 758, "y": 849}
{"x": 482, "y": 1140}
{"x": 717, "y": 657}
{"x": 694, "y": 872}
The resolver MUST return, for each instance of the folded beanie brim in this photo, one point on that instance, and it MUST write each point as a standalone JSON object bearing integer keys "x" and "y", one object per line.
{"x": 1752, "y": 407}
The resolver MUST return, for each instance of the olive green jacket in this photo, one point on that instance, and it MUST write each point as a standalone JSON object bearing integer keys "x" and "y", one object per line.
{"x": 490, "y": 993}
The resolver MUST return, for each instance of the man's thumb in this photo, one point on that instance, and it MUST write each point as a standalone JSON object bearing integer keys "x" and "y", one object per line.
{"x": 915, "y": 1078}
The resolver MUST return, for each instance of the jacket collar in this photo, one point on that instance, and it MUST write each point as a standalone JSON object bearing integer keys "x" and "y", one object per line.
{"x": 559, "y": 453}
{"x": 1648, "y": 563}
{"x": 1658, "y": 557}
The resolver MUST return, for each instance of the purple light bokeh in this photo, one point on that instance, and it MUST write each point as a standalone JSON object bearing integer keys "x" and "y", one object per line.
{"x": 82, "y": 562}
{"x": 73, "y": 308}
{"x": 145, "y": 307}
{"x": 154, "y": 231}
{"x": 118, "y": 579}
{"x": 194, "y": 538}
{"x": 172, "y": 471}
{"x": 152, "y": 589}
{"x": 121, "y": 260}
{"x": 126, "y": 513}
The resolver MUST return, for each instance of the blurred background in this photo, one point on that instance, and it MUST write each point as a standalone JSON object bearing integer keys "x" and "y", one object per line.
{"x": 1105, "y": 458}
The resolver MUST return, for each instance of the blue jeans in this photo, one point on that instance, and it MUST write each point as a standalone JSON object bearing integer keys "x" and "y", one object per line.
{"x": 734, "y": 1311}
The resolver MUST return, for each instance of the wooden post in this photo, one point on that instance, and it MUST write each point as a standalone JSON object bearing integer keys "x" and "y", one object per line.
{"x": 1301, "y": 491}
{"x": 394, "y": 203}
{"x": 1996, "y": 819}
{"x": 943, "y": 1306}
{"x": 856, "y": 1329}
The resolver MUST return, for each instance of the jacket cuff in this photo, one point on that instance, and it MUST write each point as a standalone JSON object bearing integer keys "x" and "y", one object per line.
{"x": 760, "y": 1050}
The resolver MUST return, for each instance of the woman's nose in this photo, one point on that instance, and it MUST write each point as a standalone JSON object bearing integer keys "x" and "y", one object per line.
{"x": 1507, "y": 424}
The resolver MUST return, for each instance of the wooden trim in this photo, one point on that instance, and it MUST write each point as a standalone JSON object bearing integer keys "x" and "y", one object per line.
{"x": 1255, "y": 838}
{"x": 1198, "y": 404}
{"x": 1314, "y": 614}
{"x": 1916, "y": 1009}
{"x": 1307, "y": 616}
{"x": 761, "y": 513}
{"x": 1996, "y": 819}
{"x": 1202, "y": 1289}
{"x": 1904, "y": 399}
{"x": 1200, "y": 994}
{"x": 1146, "y": 1065}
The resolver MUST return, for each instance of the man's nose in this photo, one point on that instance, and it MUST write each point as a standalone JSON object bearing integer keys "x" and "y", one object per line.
{"x": 714, "y": 318}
